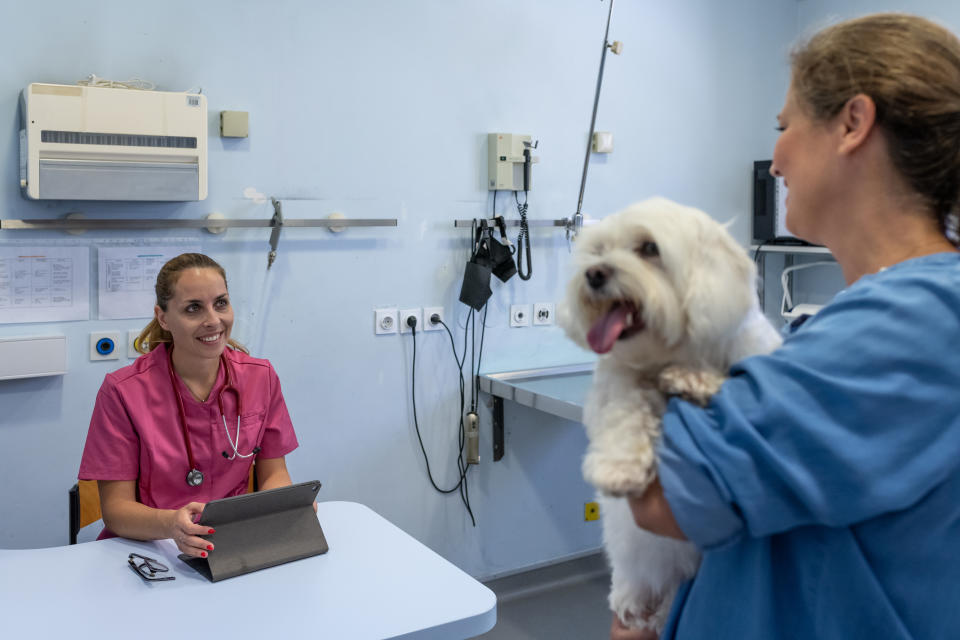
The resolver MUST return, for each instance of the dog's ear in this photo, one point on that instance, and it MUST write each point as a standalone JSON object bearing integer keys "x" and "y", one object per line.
{"x": 720, "y": 288}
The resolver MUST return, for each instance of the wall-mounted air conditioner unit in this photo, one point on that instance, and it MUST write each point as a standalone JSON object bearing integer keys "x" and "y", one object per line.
{"x": 100, "y": 143}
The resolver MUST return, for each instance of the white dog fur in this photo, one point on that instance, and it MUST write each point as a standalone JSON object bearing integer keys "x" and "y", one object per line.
{"x": 668, "y": 299}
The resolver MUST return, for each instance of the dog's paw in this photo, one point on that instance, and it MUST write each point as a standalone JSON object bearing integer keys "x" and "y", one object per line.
{"x": 694, "y": 385}
{"x": 619, "y": 476}
{"x": 641, "y": 614}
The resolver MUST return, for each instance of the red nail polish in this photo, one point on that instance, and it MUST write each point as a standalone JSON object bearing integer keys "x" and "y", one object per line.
{"x": 203, "y": 554}
{"x": 209, "y": 547}
{"x": 211, "y": 531}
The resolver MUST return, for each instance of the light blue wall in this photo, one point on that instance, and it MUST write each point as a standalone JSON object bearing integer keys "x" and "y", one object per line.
{"x": 381, "y": 109}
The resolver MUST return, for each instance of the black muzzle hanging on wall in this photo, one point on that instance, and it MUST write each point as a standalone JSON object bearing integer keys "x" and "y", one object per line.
{"x": 475, "y": 290}
{"x": 501, "y": 253}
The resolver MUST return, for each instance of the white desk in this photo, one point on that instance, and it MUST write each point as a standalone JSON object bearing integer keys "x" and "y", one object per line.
{"x": 374, "y": 582}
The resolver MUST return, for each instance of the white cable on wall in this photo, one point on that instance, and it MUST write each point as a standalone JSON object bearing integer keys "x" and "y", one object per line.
{"x": 786, "y": 302}
{"x": 93, "y": 80}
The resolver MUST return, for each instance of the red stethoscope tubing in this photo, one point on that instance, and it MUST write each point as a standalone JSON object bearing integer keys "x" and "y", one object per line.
{"x": 227, "y": 386}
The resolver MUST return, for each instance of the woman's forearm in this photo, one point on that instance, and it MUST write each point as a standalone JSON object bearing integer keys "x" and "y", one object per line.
{"x": 126, "y": 517}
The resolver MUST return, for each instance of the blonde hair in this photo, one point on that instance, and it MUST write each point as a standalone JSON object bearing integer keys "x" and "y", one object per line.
{"x": 910, "y": 68}
{"x": 153, "y": 334}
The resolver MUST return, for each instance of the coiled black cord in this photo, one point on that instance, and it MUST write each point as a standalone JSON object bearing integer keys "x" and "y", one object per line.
{"x": 523, "y": 238}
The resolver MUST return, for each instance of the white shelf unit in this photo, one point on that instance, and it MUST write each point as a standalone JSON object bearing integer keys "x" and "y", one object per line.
{"x": 788, "y": 251}
{"x": 790, "y": 248}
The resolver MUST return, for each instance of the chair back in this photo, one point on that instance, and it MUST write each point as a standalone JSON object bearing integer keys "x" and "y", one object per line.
{"x": 84, "y": 499}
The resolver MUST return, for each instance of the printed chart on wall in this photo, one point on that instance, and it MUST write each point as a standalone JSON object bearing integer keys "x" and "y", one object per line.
{"x": 127, "y": 278}
{"x": 44, "y": 284}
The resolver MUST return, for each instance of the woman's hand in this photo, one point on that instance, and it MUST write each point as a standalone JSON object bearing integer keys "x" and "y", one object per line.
{"x": 651, "y": 511}
{"x": 128, "y": 518}
{"x": 619, "y": 632}
{"x": 185, "y": 532}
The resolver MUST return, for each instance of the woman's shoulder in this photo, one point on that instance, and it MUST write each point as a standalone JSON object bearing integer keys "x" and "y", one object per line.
{"x": 910, "y": 297}
{"x": 245, "y": 360}
{"x": 936, "y": 275}
{"x": 936, "y": 268}
{"x": 146, "y": 365}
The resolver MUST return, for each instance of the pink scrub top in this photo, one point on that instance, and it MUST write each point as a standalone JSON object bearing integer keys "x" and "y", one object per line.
{"x": 135, "y": 431}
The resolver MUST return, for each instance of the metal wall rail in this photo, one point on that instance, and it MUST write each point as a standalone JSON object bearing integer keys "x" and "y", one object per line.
{"x": 211, "y": 223}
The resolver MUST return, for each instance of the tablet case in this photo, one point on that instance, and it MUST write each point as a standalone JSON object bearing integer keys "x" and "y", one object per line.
{"x": 259, "y": 530}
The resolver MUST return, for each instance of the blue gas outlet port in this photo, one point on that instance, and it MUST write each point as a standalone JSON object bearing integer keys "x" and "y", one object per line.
{"x": 105, "y": 346}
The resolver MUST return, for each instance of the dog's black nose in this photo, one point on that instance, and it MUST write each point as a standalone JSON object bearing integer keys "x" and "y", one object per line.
{"x": 598, "y": 276}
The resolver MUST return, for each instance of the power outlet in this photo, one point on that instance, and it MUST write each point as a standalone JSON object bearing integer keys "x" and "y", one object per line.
{"x": 520, "y": 315}
{"x": 385, "y": 321}
{"x": 428, "y": 313}
{"x": 408, "y": 313}
{"x": 543, "y": 313}
{"x": 104, "y": 345}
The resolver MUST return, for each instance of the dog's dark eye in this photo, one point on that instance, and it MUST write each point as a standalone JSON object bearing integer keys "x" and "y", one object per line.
{"x": 648, "y": 250}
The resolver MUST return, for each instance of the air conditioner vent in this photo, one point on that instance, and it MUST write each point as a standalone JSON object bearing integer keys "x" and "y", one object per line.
{"x": 117, "y": 139}
{"x": 80, "y": 142}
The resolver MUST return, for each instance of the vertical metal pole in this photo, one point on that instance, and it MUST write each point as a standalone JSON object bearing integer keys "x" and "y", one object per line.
{"x": 578, "y": 217}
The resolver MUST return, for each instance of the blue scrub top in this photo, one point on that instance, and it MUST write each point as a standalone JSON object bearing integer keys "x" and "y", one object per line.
{"x": 823, "y": 480}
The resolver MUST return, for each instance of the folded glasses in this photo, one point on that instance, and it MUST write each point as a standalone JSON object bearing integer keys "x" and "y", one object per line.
{"x": 148, "y": 568}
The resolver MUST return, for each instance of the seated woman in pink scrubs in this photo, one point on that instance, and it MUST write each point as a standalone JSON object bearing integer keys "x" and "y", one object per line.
{"x": 183, "y": 424}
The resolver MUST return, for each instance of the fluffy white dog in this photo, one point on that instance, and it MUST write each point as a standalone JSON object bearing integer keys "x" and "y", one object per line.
{"x": 668, "y": 299}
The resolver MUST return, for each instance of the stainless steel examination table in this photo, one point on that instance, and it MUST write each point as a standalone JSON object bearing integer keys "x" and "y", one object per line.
{"x": 559, "y": 391}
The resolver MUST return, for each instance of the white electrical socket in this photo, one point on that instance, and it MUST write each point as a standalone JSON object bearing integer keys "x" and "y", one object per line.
{"x": 543, "y": 313}
{"x": 385, "y": 321}
{"x": 427, "y": 314}
{"x": 520, "y": 315}
{"x": 105, "y": 345}
{"x": 406, "y": 313}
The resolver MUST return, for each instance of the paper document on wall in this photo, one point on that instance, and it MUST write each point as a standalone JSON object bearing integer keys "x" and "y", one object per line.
{"x": 44, "y": 284}
{"x": 127, "y": 279}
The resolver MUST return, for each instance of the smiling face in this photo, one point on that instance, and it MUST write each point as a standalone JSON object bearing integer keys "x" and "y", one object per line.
{"x": 198, "y": 316}
{"x": 803, "y": 156}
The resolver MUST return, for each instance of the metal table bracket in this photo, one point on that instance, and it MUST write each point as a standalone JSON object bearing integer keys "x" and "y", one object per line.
{"x": 497, "y": 428}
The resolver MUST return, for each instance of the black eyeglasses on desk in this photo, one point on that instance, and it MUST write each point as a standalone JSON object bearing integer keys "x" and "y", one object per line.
{"x": 148, "y": 568}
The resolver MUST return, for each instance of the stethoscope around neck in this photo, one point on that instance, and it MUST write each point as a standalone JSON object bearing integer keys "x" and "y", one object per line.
{"x": 195, "y": 476}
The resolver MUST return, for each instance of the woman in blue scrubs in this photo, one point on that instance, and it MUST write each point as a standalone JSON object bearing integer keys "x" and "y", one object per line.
{"x": 823, "y": 481}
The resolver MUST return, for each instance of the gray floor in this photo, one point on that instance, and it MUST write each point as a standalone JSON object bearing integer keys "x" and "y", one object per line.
{"x": 563, "y": 602}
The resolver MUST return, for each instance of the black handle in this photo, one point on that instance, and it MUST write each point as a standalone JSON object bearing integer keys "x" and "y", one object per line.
{"x": 526, "y": 169}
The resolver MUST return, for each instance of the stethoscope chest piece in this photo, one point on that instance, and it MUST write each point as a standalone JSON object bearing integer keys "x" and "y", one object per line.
{"x": 195, "y": 478}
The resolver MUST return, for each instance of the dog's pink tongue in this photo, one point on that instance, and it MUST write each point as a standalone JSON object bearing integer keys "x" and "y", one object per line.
{"x": 607, "y": 329}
